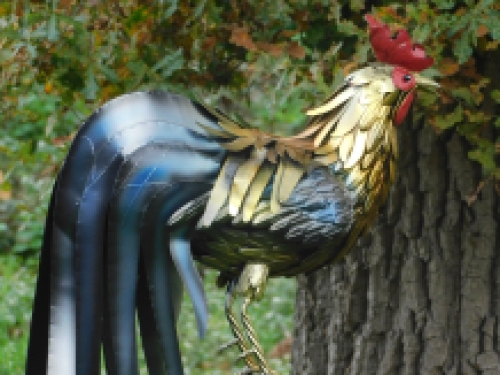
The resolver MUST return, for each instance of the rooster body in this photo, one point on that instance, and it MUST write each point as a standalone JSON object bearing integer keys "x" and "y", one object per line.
{"x": 303, "y": 200}
{"x": 153, "y": 182}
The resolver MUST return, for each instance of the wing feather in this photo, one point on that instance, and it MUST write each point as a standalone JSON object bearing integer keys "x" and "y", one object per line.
{"x": 221, "y": 190}
{"x": 291, "y": 173}
{"x": 238, "y": 144}
{"x": 255, "y": 191}
{"x": 216, "y": 132}
{"x": 243, "y": 178}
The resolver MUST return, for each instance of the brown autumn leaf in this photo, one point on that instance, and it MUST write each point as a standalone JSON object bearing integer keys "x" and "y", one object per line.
{"x": 123, "y": 72}
{"x": 240, "y": 37}
{"x": 448, "y": 67}
{"x": 288, "y": 33}
{"x": 282, "y": 348}
{"x": 108, "y": 92}
{"x": 5, "y": 195}
{"x": 445, "y": 98}
{"x": 472, "y": 198}
{"x": 296, "y": 50}
{"x": 275, "y": 50}
{"x": 482, "y": 30}
{"x": 48, "y": 87}
{"x": 476, "y": 90}
{"x": 389, "y": 11}
{"x": 349, "y": 67}
{"x": 66, "y": 4}
{"x": 209, "y": 43}
{"x": 59, "y": 141}
{"x": 469, "y": 70}
{"x": 49, "y": 170}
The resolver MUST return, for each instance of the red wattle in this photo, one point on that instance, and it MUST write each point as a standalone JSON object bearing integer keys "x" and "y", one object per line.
{"x": 404, "y": 108}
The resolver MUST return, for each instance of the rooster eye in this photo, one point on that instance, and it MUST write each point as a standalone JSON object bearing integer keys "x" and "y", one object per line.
{"x": 403, "y": 79}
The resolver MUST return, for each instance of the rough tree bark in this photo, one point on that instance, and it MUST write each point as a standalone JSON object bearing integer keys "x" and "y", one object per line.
{"x": 420, "y": 295}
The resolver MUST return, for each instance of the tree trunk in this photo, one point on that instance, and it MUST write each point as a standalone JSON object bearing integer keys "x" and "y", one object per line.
{"x": 420, "y": 295}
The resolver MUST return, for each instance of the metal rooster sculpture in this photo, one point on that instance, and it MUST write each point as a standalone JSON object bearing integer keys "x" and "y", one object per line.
{"x": 154, "y": 182}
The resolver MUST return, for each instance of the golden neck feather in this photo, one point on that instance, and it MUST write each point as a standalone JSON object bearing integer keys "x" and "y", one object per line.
{"x": 354, "y": 131}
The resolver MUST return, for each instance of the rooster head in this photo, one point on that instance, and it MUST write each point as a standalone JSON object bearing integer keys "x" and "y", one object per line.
{"x": 402, "y": 60}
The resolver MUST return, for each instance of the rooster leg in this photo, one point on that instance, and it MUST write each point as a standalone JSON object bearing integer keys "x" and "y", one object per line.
{"x": 236, "y": 328}
{"x": 252, "y": 337}
{"x": 252, "y": 285}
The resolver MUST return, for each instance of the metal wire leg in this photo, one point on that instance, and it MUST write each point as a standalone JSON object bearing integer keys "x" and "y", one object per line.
{"x": 252, "y": 337}
{"x": 250, "y": 285}
{"x": 237, "y": 330}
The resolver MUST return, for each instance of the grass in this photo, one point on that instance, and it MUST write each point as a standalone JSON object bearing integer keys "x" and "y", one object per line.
{"x": 17, "y": 283}
{"x": 272, "y": 317}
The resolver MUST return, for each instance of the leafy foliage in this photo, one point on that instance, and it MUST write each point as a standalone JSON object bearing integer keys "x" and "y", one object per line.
{"x": 16, "y": 293}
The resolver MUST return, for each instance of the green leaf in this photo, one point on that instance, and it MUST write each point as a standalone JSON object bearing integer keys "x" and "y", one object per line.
{"x": 52, "y": 31}
{"x": 493, "y": 25}
{"x": 451, "y": 119}
{"x": 171, "y": 9}
{"x": 478, "y": 117}
{"x": 463, "y": 48}
{"x": 139, "y": 68}
{"x": 170, "y": 63}
{"x": 357, "y": 5}
{"x": 91, "y": 87}
{"x": 199, "y": 9}
{"x": 465, "y": 94}
{"x": 108, "y": 73}
{"x": 444, "y": 4}
{"x": 485, "y": 155}
{"x": 495, "y": 95}
{"x": 421, "y": 32}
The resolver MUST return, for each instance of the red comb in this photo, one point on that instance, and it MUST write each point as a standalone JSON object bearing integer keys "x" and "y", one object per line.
{"x": 396, "y": 50}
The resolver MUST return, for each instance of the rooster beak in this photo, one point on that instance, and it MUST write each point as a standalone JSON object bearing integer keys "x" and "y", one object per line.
{"x": 424, "y": 81}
